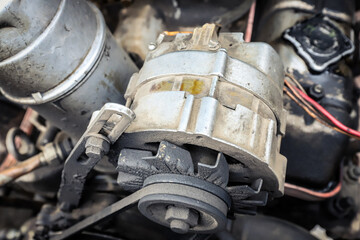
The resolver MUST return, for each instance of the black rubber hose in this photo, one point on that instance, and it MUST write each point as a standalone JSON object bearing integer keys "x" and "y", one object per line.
{"x": 11, "y": 144}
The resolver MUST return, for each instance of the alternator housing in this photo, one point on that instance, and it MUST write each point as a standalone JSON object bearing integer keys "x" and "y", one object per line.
{"x": 213, "y": 91}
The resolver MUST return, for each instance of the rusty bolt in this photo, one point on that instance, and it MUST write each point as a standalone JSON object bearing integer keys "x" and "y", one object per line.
{"x": 96, "y": 146}
{"x": 181, "y": 218}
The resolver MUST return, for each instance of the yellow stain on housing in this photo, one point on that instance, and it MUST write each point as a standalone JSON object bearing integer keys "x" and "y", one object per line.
{"x": 192, "y": 86}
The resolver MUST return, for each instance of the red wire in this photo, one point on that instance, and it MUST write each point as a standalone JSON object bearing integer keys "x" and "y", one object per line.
{"x": 328, "y": 115}
{"x": 249, "y": 27}
{"x": 308, "y": 194}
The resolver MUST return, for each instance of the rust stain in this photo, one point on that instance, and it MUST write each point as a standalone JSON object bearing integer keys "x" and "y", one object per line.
{"x": 192, "y": 86}
{"x": 162, "y": 86}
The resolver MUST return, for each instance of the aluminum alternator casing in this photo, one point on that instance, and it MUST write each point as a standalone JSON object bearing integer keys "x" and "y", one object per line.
{"x": 213, "y": 91}
{"x": 59, "y": 57}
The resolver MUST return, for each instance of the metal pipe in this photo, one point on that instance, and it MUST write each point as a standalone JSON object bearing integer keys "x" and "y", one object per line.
{"x": 53, "y": 153}
{"x": 20, "y": 169}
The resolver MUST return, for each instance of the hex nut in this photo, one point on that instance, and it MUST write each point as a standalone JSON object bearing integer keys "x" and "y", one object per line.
{"x": 179, "y": 226}
{"x": 316, "y": 91}
{"x": 181, "y": 218}
{"x": 96, "y": 146}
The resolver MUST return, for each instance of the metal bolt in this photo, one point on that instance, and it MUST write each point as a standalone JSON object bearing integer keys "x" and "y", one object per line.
{"x": 179, "y": 226}
{"x": 318, "y": 88}
{"x": 181, "y": 219}
{"x": 96, "y": 146}
{"x": 152, "y": 46}
{"x": 353, "y": 173}
{"x": 316, "y": 91}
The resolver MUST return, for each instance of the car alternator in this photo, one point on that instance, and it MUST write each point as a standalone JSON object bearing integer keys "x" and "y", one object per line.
{"x": 214, "y": 103}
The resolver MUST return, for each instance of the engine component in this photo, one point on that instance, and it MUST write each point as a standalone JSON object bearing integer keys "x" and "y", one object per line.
{"x": 181, "y": 148}
{"x": 319, "y": 42}
{"x": 192, "y": 91}
{"x": 215, "y": 211}
{"x": 344, "y": 210}
{"x": 186, "y": 204}
{"x": 200, "y": 199}
{"x": 52, "y": 154}
{"x": 144, "y": 20}
{"x": 135, "y": 166}
{"x": 322, "y": 33}
{"x": 59, "y": 57}
{"x": 104, "y": 129}
{"x": 139, "y": 28}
